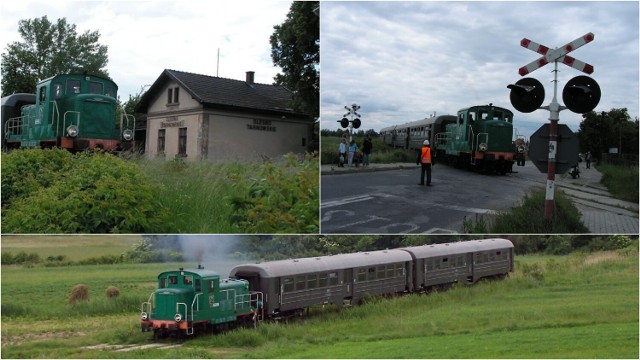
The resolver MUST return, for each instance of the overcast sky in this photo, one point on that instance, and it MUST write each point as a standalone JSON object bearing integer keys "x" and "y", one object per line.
{"x": 401, "y": 61}
{"x": 146, "y": 37}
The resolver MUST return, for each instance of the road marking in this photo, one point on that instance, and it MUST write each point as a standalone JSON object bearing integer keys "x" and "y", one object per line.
{"x": 369, "y": 218}
{"x": 329, "y": 214}
{"x": 345, "y": 201}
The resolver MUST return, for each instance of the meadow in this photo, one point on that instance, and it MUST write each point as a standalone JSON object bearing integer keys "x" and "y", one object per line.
{"x": 575, "y": 306}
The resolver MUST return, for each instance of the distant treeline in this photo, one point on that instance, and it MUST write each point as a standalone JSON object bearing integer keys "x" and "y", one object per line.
{"x": 160, "y": 248}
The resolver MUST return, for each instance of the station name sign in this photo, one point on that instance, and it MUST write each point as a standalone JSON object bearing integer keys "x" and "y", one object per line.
{"x": 263, "y": 125}
{"x": 172, "y": 122}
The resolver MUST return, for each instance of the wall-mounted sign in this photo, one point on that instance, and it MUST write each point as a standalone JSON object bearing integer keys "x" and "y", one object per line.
{"x": 264, "y": 125}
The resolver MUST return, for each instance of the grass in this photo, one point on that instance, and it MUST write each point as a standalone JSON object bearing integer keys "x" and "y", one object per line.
{"x": 575, "y": 306}
{"x": 79, "y": 247}
{"x": 380, "y": 153}
{"x": 528, "y": 218}
{"x": 622, "y": 181}
{"x": 204, "y": 197}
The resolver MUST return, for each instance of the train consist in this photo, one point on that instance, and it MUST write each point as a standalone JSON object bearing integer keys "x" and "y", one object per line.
{"x": 479, "y": 137}
{"x": 70, "y": 111}
{"x": 187, "y": 300}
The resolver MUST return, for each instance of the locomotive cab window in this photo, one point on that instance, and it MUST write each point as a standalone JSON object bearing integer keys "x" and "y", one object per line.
{"x": 73, "y": 86}
{"x": 57, "y": 91}
{"x": 110, "y": 92}
{"x": 188, "y": 280}
{"x": 163, "y": 283}
{"x": 198, "y": 285}
{"x": 43, "y": 94}
{"x": 95, "y": 88}
{"x": 173, "y": 279}
{"x": 212, "y": 285}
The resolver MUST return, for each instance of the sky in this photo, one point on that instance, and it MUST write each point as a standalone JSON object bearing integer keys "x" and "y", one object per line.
{"x": 146, "y": 37}
{"x": 403, "y": 61}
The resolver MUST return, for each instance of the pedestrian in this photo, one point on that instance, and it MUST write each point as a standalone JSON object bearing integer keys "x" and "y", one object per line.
{"x": 424, "y": 158}
{"x": 588, "y": 158}
{"x": 352, "y": 150}
{"x": 366, "y": 150}
{"x": 342, "y": 152}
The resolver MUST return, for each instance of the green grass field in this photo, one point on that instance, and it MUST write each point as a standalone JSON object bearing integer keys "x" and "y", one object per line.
{"x": 575, "y": 306}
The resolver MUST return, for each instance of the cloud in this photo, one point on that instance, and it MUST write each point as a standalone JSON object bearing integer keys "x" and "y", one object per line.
{"x": 401, "y": 61}
{"x": 146, "y": 37}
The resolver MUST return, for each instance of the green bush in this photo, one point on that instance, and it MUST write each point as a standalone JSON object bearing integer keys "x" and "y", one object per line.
{"x": 281, "y": 198}
{"x": 85, "y": 193}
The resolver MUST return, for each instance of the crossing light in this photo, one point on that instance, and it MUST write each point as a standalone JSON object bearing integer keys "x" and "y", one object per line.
{"x": 526, "y": 95}
{"x": 356, "y": 123}
{"x": 581, "y": 94}
{"x": 344, "y": 122}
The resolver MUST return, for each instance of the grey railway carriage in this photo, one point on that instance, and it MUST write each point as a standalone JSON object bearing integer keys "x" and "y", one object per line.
{"x": 291, "y": 285}
{"x": 463, "y": 262}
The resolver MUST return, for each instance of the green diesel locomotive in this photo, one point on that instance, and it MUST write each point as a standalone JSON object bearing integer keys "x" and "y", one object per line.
{"x": 71, "y": 111}
{"x": 189, "y": 301}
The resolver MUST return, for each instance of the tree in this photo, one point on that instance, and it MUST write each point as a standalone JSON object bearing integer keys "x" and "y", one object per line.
{"x": 614, "y": 129}
{"x": 295, "y": 47}
{"x": 50, "y": 49}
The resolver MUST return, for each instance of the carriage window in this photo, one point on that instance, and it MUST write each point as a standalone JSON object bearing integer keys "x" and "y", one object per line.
{"x": 312, "y": 281}
{"x": 381, "y": 272}
{"x": 362, "y": 274}
{"x": 460, "y": 261}
{"x": 372, "y": 273}
{"x": 390, "y": 271}
{"x": 323, "y": 280}
{"x": 300, "y": 281}
{"x": 57, "y": 91}
{"x": 399, "y": 270}
{"x": 198, "y": 288}
{"x": 188, "y": 280}
{"x": 333, "y": 278}
{"x": 73, "y": 86}
{"x": 95, "y": 88}
{"x": 173, "y": 279}
{"x": 288, "y": 285}
{"x": 445, "y": 263}
{"x": 429, "y": 265}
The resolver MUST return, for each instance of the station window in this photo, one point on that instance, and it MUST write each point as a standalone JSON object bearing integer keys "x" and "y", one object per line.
{"x": 161, "y": 137}
{"x": 182, "y": 142}
{"x": 173, "y": 95}
{"x": 173, "y": 279}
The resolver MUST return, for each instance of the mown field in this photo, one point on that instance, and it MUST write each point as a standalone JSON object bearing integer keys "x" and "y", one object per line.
{"x": 575, "y": 306}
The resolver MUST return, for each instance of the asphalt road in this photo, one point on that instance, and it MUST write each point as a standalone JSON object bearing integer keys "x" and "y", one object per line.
{"x": 392, "y": 202}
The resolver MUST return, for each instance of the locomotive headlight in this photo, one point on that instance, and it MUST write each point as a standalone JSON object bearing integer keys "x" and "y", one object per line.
{"x": 127, "y": 135}
{"x": 482, "y": 147}
{"x": 178, "y": 317}
{"x": 144, "y": 316}
{"x": 72, "y": 131}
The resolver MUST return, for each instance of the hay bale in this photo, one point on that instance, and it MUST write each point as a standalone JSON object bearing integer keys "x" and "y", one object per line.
{"x": 79, "y": 292}
{"x": 112, "y": 292}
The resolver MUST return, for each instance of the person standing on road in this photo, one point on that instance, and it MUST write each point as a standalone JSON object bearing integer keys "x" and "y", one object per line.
{"x": 342, "y": 150}
{"x": 424, "y": 158}
{"x": 588, "y": 156}
{"x": 352, "y": 151}
{"x": 366, "y": 150}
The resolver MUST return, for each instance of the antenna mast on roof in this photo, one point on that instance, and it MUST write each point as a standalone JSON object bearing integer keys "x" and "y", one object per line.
{"x": 218, "y": 63}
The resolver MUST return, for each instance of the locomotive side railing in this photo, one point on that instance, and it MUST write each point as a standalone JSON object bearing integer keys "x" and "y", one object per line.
{"x": 16, "y": 126}
{"x": 127, "y": 122}
{"x": 67, "y": 115}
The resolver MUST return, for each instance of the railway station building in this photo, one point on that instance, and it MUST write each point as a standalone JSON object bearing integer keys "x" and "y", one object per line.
{"x": 201, "y": 117}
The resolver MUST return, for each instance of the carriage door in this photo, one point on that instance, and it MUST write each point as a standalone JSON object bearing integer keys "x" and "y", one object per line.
{"x": 347, "y": 283}
{"x": 469, "y": 268}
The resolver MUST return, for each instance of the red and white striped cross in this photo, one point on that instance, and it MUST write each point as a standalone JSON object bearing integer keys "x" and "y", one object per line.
{"x": 559, "y": 54}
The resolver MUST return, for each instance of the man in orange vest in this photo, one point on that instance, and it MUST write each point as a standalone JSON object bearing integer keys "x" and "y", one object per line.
{"x": 424, "y": 158}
